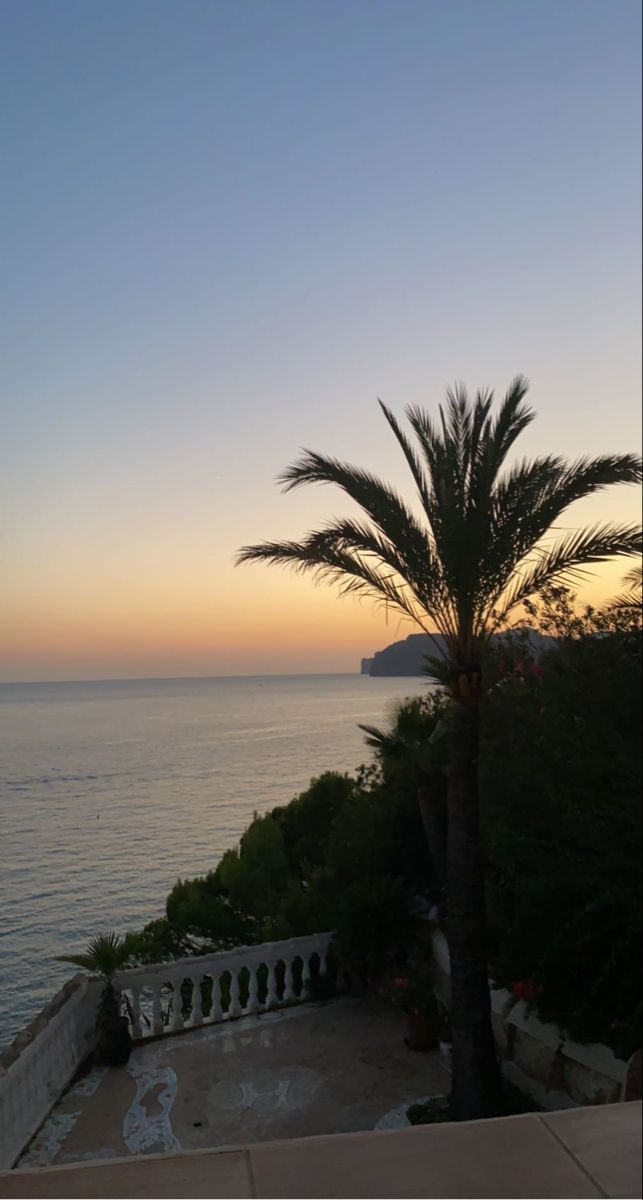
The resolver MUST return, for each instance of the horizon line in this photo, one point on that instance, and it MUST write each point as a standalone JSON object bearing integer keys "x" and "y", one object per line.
{"x": 180, "y": 678}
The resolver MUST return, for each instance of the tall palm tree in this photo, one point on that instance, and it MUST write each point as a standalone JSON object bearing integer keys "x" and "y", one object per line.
{"x": 480, "y": 545}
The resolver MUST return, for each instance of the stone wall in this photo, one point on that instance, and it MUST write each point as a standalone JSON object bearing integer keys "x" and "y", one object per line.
{"x": 556, "y": 1071}
{"x": 42, "y": 1060}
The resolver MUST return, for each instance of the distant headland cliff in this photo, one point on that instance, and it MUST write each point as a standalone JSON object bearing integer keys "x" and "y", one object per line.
{"x": 408, "y": 657}
{"x": 401, "y": 658}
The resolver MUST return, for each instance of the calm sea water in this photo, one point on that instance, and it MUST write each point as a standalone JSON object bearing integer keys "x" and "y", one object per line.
{"x": 111, "y": 791}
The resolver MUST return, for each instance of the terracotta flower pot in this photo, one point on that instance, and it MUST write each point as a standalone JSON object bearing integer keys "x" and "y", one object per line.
{"x": 420, "y": 1034}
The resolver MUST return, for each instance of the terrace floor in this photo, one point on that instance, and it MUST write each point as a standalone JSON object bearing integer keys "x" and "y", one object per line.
{"x": 582, "y": 1153}
{"x": 337, "y": 1067}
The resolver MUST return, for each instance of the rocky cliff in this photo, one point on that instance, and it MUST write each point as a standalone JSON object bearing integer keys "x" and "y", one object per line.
{"x": 408, "y": 657}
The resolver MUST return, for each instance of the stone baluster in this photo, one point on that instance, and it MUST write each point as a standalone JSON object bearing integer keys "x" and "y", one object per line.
{"x": 157, "y": 1015}
{"x": 135, "y": 1019}
{"x": 234, "y": 1009}
{"x": 305, "y": 977}
{"x": 197, "y": 1008}
{"x": 177, "y": 1021}
{"x": 253, "y": 989}
{"x": 271, "y": 986}
{"x": 289, "y": 991}
{"x": 216, "y": 1013}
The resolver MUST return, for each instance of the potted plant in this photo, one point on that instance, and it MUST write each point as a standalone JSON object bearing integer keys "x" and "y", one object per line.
{"x": 413, "y": 994}
{"x": 106, "y": 954}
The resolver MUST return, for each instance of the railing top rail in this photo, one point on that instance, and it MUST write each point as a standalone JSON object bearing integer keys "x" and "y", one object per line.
{"x": 222, "y": 960}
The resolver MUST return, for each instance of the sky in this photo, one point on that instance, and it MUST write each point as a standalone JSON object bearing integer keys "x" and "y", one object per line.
{"x": 227, "y": 228}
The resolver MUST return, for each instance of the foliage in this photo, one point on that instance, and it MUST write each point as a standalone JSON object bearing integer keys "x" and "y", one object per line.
{"x": 252, "y": 875}
{"x": 482, "y": 544}
{"x": 512, "y": 1101}
{"x": 630, "y": 601}
{"x": 307, "y": 822}
{"x": 201, "y": 909}
{"x": 373, "y": 926}
{"x": 413, "y": 991}
{"x": 106, "y": 954}
{"x": 561, "y": 806}
{"x": 471, "y": 553}
{"x": 413, "y": 740}
{"x": 412, "y": 752}
{"x": 347, "y": 854}
{"x": 560, "y": 774}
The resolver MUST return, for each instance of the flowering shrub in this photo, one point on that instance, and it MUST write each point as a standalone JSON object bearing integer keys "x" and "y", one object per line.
{"x": 413, "y": 992}
{"x": 561, "y": 783}
{"x": 526, "y": 991}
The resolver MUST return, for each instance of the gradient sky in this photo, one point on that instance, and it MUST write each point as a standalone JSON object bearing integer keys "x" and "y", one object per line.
{"x": 226, "y": 228}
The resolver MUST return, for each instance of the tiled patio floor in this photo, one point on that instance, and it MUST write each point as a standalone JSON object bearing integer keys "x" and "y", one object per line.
{"x": 338, "y": 1067}
{"x": 588, "y": 1152}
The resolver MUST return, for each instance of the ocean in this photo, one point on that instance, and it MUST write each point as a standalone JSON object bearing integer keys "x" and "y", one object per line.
{"x": 110, "y": 791}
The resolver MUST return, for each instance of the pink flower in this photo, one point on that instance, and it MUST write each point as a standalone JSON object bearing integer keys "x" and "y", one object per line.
{"x": 537, "y": 669}
{"x": 400, "y": 982}
{"x": 526, "y": 991}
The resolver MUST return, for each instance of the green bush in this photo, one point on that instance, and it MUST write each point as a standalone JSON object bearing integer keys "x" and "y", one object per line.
{"x": 373, "y": 927}
{"x": 561, "y": 787}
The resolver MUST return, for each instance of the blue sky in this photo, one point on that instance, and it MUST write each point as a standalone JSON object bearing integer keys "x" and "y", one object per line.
{"x": 226, "y": 228}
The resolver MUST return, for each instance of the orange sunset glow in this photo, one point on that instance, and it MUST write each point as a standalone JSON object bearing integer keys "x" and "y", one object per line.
{"x": 297, "y": 245}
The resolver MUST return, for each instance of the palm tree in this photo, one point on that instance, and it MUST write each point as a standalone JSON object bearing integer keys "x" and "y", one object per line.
{"x": 479, "y": 547}
{"x": 106, "y": 954}
{"x": 415, "y": 737}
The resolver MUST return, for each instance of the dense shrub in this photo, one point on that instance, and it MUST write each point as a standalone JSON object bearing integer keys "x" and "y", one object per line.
{"x": 561, "y": 775}
{"x": 347, "y": 854}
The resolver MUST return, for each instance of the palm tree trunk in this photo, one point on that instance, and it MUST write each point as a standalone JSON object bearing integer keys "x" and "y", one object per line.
{"x": 476, "y": 1077}
{"x": 434, "y": 823}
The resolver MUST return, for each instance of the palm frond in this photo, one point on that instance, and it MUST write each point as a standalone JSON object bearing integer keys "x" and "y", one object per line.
{"x": 631, "y": 600}
{"x": 513, "y": 417}
{"x": 86, "y": 962}
{"x": 320, "y": 556}
{"x": 412, "y": 459}
{"x": 380, "y": 502}
{"x": 383, "y": 741}
{"x": 106, "y": 954}
{"x": 411, "y": 558}
{"x": 528, "y": 502}
{"x": 634, "y": 578}
{"x": 568, "y": 559}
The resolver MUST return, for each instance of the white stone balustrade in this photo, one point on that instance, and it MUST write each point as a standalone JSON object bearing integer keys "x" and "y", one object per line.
{"x": 163, "y": 999}
{"x": 167, "y": 997}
